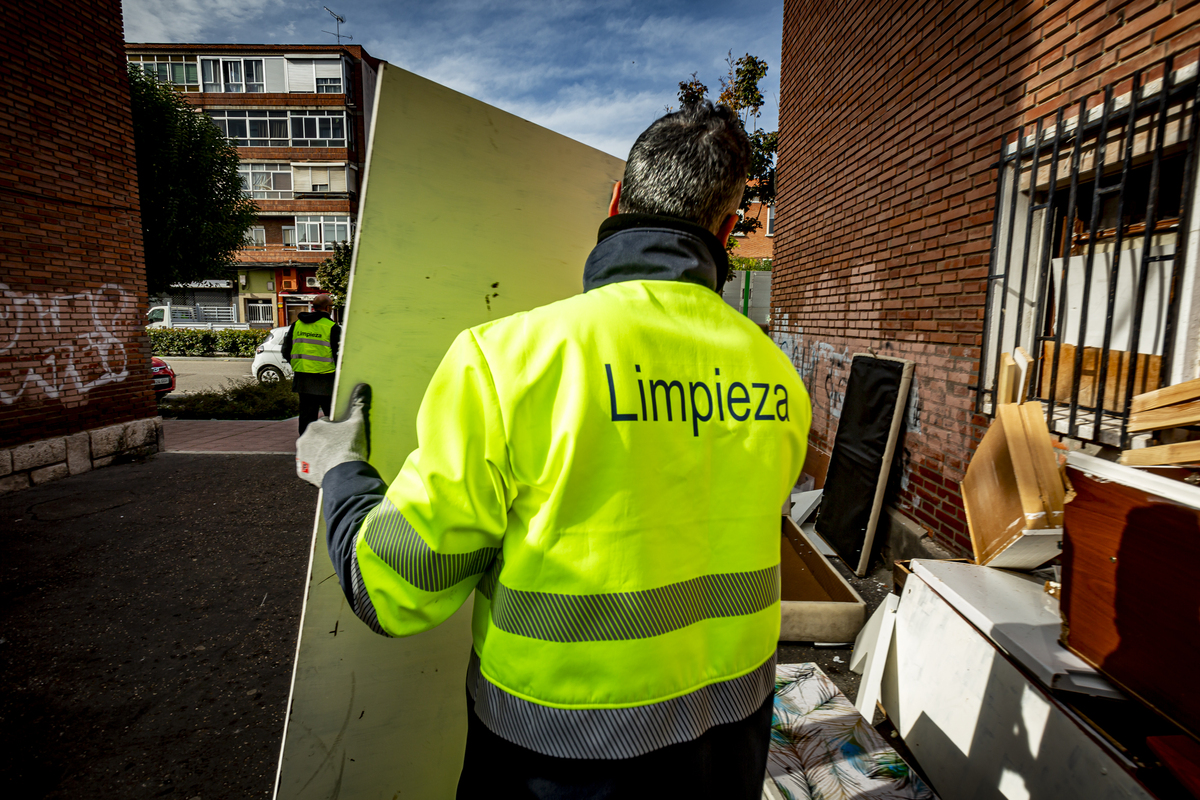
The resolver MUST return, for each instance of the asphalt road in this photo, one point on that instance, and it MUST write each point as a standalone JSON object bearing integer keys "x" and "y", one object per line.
{"x": 206, "y": 374}
{"x": 148, "y": 621}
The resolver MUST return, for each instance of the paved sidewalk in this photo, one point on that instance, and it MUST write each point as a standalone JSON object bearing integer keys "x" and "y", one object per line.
{"x": 230, "y": 436}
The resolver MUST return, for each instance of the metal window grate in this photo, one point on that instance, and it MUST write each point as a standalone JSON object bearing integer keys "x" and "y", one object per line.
{"x": 1089, "y": 247}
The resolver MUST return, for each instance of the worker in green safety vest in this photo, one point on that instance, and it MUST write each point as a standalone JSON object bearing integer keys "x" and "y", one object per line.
{"x": 311, "y": 348}
{"x": 604, "y": 475}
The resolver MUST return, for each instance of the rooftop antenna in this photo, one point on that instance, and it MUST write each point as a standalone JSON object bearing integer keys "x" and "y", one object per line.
{"x": 339, "y": 21}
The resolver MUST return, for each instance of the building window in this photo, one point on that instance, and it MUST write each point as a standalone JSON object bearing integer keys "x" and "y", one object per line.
{"x": 236, "y": 75}
{"x": 254, "y": 75}
{"x": 179, "y": 71}
{"x": 321, "y": 232}
{"x": 771, "y": 220}
{"x": 266, "y": 181}
{"x": 265, "y": 128}
{"x": 260, "y": 311}
{"x": 256, "y": 238}
{"x": 253, "y": 128}
{"x": 329, "y": 178}
{"x": 329, "y": 85}
{"x": 289, "y": 236}
{"x": 318, "y": 128}
{"x": 1087, "y": 304}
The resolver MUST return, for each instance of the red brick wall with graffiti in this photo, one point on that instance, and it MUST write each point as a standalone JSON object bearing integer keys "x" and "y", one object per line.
{"x": 73, "y": 350}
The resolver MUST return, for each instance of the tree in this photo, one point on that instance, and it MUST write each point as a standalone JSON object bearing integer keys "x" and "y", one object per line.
{"x": 334, "y": 273}
{"x": 194, "y": 213}
{"x": 739, "y": 91}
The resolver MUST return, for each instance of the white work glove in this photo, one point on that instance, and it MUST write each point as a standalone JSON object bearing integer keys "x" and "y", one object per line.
{"x": 326, "y": 444}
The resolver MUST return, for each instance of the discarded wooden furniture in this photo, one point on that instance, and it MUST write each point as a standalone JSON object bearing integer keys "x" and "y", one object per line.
{"x": 1124, "y": 598}
{"x": 1013, "y": 491}
{"x": 817, "y": 604}
{"x": 1168, "y": 407}
{"x": 963, "y": 683}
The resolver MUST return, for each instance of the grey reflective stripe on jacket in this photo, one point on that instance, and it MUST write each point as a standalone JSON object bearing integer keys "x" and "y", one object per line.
{"x": 612, "y": 733}
{"x": 296, "y": 356}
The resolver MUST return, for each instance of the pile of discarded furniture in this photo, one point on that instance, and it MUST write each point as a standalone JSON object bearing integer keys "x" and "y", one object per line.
{"x": 1055, "y": 663}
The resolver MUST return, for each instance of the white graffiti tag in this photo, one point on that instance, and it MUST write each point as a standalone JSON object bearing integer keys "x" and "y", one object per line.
{"x": 62, "y": 343}
{"x": 817, "y": 362}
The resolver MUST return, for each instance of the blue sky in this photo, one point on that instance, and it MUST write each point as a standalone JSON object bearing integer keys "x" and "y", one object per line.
{"x": 598, "y": 71}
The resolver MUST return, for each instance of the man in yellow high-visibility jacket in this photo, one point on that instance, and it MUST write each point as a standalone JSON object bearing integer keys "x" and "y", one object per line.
{"x": 606, "y": 474}
{"x": 311, "y": 349}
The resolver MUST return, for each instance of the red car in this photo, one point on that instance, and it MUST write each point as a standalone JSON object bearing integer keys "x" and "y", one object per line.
{"x": 164, "y": 377}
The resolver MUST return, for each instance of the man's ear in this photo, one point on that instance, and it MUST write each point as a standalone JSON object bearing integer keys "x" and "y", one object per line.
{"x": 616, "y": 199}
{"x": 726, "y": 229}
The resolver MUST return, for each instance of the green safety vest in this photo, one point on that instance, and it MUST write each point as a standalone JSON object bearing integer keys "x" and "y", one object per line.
{"x": 606, "y": 472}
{"x": 312, "y": 350}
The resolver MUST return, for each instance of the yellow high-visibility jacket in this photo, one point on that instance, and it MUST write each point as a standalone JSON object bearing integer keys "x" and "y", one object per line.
{"x": 606, "y": 473}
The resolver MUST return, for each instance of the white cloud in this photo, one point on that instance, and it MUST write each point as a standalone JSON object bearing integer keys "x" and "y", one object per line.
{"x": 192, "y": 20}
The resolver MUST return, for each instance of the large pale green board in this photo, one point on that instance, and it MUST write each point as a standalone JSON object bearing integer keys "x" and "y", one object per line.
{"x": 468, "y": 214}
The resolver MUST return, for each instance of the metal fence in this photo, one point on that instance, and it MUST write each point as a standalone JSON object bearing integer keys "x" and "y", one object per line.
{"x": 1087, "y": 284}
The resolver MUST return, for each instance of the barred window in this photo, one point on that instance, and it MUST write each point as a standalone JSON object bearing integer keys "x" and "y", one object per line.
{"x": 1091, "y": 285}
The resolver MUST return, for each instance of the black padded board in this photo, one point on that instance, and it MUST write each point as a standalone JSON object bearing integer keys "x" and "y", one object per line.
{"x": 851, "y": 483}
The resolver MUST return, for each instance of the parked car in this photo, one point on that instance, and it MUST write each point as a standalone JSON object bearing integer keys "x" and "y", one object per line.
{"x": 268, "y": 365}
{"x": 164, "y": 377}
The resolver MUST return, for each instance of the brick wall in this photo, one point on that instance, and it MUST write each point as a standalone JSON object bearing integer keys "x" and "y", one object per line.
{"x": 73, "y": 351}
{"x": 890, "y": 119}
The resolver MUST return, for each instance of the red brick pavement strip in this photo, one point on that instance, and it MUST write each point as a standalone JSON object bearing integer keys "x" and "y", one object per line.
{"x": 229, "y": 436}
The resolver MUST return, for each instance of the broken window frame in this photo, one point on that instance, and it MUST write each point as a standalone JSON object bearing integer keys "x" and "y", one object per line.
{"x": 1027, "y": 300}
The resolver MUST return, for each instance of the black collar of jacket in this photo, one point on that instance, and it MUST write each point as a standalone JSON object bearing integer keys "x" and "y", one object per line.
{"x": 309, "y": 317}
{"x": 634, "y": 247}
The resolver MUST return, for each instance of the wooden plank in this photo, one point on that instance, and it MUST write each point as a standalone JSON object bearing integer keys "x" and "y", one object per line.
{"x": 1023, "y": 362}
{"x": 995, "y": 515}
{"x": 1006, "y": 387}
{"x": 1045, "y": 463}
{"x": 1178, "y": 453}
{"x": 1028, "y": 487}
{"x": 1157, "y": 419}
{"x": 1116, "y": 379}
{"x": 1168, "y": 395}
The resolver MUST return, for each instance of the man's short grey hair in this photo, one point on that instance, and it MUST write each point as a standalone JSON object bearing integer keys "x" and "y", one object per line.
{"x": 322, "y": 302}
{"x": 691, "y": 164}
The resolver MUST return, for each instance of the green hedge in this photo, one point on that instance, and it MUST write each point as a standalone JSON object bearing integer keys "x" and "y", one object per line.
{"x": 242, "y": 398}
{"x": 201, "y": 342}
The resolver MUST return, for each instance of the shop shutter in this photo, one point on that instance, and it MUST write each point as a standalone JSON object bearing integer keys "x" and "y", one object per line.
{"x": 337, "y": 179}
{"x": 276, "y": 74}
{"x": 300, "y": 75}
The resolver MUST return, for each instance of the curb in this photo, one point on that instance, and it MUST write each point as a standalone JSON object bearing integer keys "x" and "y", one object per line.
{"x": 246, "y": 359}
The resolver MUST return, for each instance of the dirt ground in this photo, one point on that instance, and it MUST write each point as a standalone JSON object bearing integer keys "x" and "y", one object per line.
{"x": 148, "y": 620}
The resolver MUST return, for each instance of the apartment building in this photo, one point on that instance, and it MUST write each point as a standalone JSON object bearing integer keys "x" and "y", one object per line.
{"x": 957, "y": 181}
{"x": 299, "y": 116}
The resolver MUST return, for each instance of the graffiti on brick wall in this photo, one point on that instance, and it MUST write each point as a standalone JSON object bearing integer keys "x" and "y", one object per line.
{"x": 62, "y": 343}
{"x": 819, "y": 364}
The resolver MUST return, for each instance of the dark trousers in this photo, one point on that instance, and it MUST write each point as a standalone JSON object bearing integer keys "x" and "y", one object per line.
{"x": 729, "y": 762}
{"x": 310, "y": 404}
